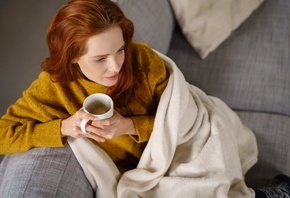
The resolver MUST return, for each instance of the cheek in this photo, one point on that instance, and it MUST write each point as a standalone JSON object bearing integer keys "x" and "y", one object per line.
{"x": 83, "y": 67}
{"x": 87, "y": 69}
{"x": 94, "y": 72}
{"x": 121, "y": 60}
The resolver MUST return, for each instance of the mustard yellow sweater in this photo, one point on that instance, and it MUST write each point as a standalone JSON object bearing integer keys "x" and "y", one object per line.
{"x": 35, "y": 119}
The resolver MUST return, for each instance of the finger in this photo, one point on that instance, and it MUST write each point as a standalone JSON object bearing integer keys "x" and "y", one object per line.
{"x": 107, "y": 134}
{"x": 95, "y": 130}
{"x": 101, "y": 123}
{"x": 104, "y": 133}
{"x": 78, "y": 134}
{"x": 81, "y": 114}
{"x": 96, "y": 137}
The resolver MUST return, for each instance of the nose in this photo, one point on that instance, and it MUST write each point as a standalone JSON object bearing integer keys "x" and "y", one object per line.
{"x": 114, "y": 65}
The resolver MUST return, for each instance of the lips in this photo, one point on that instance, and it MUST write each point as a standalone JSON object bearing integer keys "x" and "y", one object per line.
{"x": 112, "y": 78}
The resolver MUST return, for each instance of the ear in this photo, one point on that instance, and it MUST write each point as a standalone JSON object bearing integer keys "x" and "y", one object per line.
{"x": 75, "y": 61}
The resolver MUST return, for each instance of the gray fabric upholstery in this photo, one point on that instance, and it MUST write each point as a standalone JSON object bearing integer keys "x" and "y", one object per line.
{"x": 272, "y": 134}
{"x": 43, "y": 172}
{"x": 251, "y": 69}
{"x": 153, "y": 21}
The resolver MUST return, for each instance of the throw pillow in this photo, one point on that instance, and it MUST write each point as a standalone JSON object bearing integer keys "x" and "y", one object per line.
{"x": 207, "y": 23}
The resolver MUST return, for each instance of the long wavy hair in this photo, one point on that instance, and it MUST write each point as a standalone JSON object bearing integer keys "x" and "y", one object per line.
{"x": 67, "y": 35}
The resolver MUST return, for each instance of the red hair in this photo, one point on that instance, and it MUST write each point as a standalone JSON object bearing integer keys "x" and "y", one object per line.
{"x": 68, "y": 33}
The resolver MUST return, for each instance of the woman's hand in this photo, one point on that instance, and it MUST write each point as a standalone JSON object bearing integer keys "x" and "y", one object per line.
{"x": 113, "y": 127}
{"x": 71, "y": 125}
{"x": 99, "y": 130}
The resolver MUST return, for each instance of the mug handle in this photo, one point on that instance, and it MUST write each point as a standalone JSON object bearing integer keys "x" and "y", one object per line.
{"x": 83, "y": 125}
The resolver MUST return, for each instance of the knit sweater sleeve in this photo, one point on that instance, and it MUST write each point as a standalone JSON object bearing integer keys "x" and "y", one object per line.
{"x": 157, "y": 79}
{"x": 34, "y": 120}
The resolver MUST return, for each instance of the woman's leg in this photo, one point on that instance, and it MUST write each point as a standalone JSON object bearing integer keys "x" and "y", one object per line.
{"x": 278, "y": 188}
{"x": 43, "y": 172}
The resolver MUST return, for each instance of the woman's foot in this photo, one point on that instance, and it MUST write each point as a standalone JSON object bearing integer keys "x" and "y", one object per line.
{"x": 279, "y": 187}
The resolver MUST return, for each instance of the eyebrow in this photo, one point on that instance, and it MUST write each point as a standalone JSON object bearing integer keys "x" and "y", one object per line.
{"x": 102, "y": 55}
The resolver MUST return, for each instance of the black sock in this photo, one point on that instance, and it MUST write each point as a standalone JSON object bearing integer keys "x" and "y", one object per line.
{"x": 260, "y": 194}
{"x": 279, "y": 186}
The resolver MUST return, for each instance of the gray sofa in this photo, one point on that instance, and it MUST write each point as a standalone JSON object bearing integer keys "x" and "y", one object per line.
{"x": 250, "y": 70}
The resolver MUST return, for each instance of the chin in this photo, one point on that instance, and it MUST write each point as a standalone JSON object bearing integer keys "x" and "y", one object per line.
{"x": 110, "y": 84}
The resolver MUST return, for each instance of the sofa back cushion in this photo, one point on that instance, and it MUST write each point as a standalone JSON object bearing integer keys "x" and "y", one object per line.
{"x": 207, "y": 23}
{"x": 153, "y": 21}
{"x": 251, "y": 69}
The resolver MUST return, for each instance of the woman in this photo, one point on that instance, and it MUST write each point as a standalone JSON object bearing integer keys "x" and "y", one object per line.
{"x": 91, "y": 51}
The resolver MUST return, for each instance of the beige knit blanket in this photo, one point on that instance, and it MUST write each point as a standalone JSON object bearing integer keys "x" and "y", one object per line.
{"x": 198, "y": 148}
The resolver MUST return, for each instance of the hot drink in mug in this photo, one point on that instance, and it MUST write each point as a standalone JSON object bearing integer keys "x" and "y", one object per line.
{"x": 99, "y": 105}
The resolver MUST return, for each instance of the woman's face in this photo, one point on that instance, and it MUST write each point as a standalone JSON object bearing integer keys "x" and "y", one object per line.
{"x": 104, "y": 57}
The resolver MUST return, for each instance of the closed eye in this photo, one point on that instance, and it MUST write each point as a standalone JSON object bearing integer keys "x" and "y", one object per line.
{"x": 121, "y": 49}
{"x": 100, "y": 60}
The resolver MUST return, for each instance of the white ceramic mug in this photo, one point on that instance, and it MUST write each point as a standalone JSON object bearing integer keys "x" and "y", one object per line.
{"x": 99, "y": 105}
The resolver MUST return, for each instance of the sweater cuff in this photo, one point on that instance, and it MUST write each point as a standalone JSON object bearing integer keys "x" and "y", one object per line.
{"x": 48, "y": 134}
{"x": 143, "y": 127}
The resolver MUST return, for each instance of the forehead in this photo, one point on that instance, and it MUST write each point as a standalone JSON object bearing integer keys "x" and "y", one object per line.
{"x": 105, "y": 42}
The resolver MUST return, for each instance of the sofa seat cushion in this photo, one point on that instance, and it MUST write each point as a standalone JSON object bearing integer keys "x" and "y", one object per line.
{"x": 250, "y": 70}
